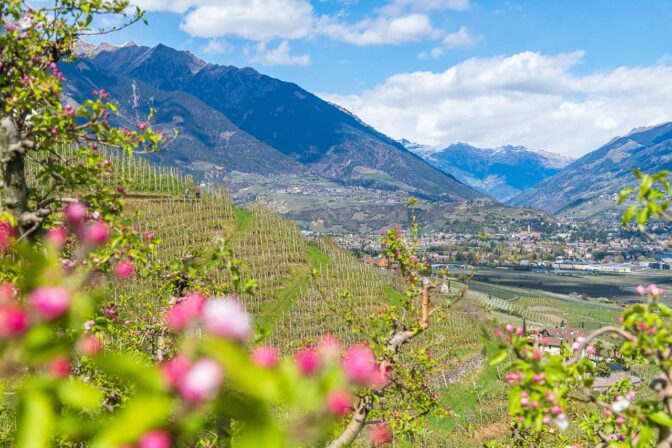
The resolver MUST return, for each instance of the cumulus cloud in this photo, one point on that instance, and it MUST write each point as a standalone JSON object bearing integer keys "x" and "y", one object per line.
{"x": 382, "y": 30}
{"x": 281, "y": 55}
{"x": 459, "y": 39}
{"x": 397, "y": 6}
{"x": 178, "y": 6}
{"x": 527, "y": 98}
{"x": 216, "y": 46}
{"x": 400, "y": 21}
{"x": 258, "y": 20}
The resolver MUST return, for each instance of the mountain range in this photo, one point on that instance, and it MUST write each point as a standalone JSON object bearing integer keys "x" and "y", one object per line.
{"x": 501, "y": 173}
{"x": 588, "y": 187}
{"x": 237, "y": 120}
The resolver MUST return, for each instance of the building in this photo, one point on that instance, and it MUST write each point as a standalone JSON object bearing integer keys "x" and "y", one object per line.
{"x": 551, "y": 339}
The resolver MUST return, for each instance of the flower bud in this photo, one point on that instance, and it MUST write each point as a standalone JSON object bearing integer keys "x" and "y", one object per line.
{"x": 96, "y": 234}
{"x": 308, "y": 361}
{"x": 339, "y": 403}
{"x": 124, "y": 269}
{"x": 13, "y": 321}
{"x": 75, "y": 214}
{"x": 155, "y": 439}
{"x": 359, "y": 364}
{"x": 380, "y": 434}
{"x": 60, "y": 367}
{"x": 265, "y": 356}
{"x": 227, "y": 318}
{"x": 202, "y": 381}
{"x": 50, "y": 302}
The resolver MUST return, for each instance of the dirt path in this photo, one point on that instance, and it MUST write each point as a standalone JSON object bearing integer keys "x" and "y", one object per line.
{"x": 463, "y": 370}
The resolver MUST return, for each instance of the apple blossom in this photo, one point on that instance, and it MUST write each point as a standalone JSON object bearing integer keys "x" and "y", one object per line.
{"x": 50, "y": 302}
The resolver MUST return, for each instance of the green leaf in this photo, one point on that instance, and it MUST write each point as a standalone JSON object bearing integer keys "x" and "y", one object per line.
{"x": 124, "y": 366}
{"x": 629, "y": 213}
{"x": 142, "y": 414}
{"x": 80, "y": 395}
{"x": 499, "y": 358}
{"x": 268, "y": 436}
{"x": 624, "y": 194}
{"x": 661, "y": 418}
{"x": 35, "y": 420}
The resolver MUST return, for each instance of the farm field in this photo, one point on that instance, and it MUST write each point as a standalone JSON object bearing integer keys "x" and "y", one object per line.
{"x": 616, "y": 287}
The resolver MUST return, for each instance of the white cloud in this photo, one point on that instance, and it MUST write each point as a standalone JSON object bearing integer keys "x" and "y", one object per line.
{"x": 382, "y": 30}
{"x": 459, "y": 39}
{"x": 178, "y": 6}
{"x": 398, "y": 22}
{"x": 528, "y": 98}
{"x": 281, "y": 55}
{"x": 397, "y": 6}
{"x": 216, "y": 46}
{"x": 258, "y": 20}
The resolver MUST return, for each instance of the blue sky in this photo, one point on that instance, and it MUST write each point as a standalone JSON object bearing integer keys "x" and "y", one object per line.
{"x": 538, "y": 61}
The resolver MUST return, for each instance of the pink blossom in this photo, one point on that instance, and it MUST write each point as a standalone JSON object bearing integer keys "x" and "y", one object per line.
{"x": 13, "y": 321}
{"x": 124, "y": 269}
{"x": 89, "y": 345}
{"x": 227, "y": 318}
{"x": 498, "y": 332}
{"x": 620, "y": 421}
{"x": 173, "y": 371}
{"x": 535, "y": 404}
{"x": 359, "y": 364}
{"x": 7, "y": 235}
{"x": 202, "y": 381}
{"x": 186, "y": 311}
{"x": 631, "y": 395}
{"x": 378, "y": 378}
{"x": 339, "y": 403}
{"x": 265, "y": 356}
{"x": 510, "y": 328}
{"x": 155, "y": 439}
{"x": 96, "y": 234}
{"x": 519, "y": 331}
{"x": 556, "y": 410}
{"x": 591, "y": 350}
{"x": 536, "y": 354}
{"x": 380, "y": 434}
{"x": 60, "y": 367}
{"x": 7, "y": 292}
{"x": 308, "y": 361}
{"x": 50, "y": 302}
{"x": 328, "y": 347}
{"x": 641, "y": 290}
{"x": 524, "y": 402}
{"x": 57, "y": 237}
{"x": 75, "y": 214}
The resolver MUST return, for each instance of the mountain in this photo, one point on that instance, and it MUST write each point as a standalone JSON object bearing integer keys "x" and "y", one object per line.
{"x": 239, "y": 120}
{"x": 589, "y": 186}
{"x": 502, "y": 172}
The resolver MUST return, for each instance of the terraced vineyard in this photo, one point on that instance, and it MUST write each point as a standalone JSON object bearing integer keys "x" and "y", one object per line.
{"x": 289, "y": 303}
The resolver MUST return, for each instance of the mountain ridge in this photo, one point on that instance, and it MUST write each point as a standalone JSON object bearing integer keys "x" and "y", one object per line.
{"x": 588, "y": 187}
{"x": 501, "y": 172}
{"x": 323, "y": 138}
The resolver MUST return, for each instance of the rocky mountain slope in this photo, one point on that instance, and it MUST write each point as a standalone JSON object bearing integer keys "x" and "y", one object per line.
{"x": 589, "y": 186}
{"x": 502, "y": 172}
{"x": 238, "y": 120}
